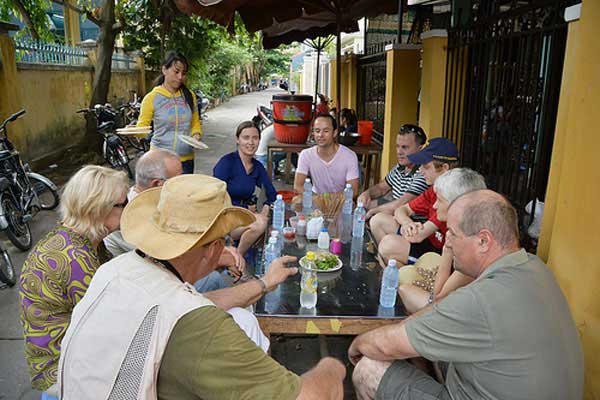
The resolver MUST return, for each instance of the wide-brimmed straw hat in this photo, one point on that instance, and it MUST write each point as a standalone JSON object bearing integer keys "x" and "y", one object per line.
{"x": 188, "y": 210}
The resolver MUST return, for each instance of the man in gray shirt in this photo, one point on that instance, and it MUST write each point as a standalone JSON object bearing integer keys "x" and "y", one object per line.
{"x": 507, "y": 335}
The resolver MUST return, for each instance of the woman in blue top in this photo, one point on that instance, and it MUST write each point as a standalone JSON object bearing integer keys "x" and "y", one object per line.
{"x": 243, "y": 173}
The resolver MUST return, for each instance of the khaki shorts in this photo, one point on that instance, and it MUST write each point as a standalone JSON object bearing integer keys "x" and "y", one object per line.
{"x": 403, "y": 381}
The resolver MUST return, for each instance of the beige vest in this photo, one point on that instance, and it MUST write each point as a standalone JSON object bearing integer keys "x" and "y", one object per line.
{"x": 120, "y": 329}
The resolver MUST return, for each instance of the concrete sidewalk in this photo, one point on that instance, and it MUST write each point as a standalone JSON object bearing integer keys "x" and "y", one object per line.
{"x": 296, "y": 353}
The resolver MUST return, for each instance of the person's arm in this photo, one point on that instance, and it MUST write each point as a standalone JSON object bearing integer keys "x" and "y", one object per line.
{"x": 444, "y": 270}
{"x": 265, "y": 182}
{"x": 323, "y": 381}
{"x": 196, "y": 125}
{"x": 374, "y": 192}
{"x": 353, "y": 173}
{"x": 301, "y": 172}
{"x": 221, "y": 169}
{"x": 456, "y": 280}
{"x": 415, "y": 232}
{"x": 387, "y": 343}
{"x": 146, "y": 110}
{"x": 402, "y": 215}
{"x": 390, "y": 207}
{"x": 248, "y": 293}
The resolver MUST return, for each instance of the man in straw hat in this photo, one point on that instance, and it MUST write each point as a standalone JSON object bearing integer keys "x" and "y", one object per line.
{"x": 142, "y": 331}
{"x": 507, "y": 335}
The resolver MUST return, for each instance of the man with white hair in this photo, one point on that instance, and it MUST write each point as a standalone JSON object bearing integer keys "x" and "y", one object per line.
{"x": 507, "y": 335}
{"x": 142, "y": 331}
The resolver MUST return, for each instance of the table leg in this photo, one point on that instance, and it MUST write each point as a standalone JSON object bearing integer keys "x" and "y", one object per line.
{"x": 368, "y": 160}
{"x": 270, "y": 163}
{"x": 288, "y": 166}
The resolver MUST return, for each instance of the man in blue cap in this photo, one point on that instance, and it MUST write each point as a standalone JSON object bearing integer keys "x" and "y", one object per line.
{"x": 404, "y": 239}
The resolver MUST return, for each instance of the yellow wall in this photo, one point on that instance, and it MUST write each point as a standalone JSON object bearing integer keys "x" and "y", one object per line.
{"x": 349, "y": 82}
{"x": 570, "y": 231}
{"x": 433, "y": 84}
{"x": 401, "y": 91}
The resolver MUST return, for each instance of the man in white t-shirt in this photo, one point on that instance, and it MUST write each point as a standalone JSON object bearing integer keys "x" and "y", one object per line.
{"x": 329, "y": 164}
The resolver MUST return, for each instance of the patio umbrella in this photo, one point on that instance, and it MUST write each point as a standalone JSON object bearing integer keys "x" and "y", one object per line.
{"x": 293, "y": 20}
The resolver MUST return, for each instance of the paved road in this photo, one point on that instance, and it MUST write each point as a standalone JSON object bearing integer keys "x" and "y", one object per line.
{"x": 219, "y": 135}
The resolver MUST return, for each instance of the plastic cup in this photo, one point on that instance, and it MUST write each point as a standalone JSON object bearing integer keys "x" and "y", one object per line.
{"x": 289, "y": 233}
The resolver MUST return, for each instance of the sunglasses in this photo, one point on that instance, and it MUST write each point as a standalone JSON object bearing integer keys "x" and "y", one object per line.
{"x": 121, "y": 205}
{"x": 417, "y": 130}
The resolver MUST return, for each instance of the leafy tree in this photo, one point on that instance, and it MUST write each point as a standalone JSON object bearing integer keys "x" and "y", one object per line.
{"x": 33, "y": 13}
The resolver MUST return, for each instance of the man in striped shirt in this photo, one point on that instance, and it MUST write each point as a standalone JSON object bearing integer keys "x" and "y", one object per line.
{"x": 404, "y": 181}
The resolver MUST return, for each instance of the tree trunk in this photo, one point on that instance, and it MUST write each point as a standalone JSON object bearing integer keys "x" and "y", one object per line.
{"x": 27, "y": 19}
{"x": 102, "y": 71}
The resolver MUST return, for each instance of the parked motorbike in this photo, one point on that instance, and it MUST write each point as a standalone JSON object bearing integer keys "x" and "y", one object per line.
{"x": 23, "y": 193}
{"x": 203, "y": 104}
{"x": 113, "y": 149}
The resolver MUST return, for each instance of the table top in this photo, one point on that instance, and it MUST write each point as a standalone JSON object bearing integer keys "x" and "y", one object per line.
{"x": 351, "y": 292}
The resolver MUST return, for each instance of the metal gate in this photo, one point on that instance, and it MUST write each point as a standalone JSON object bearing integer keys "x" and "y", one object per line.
{"x": 503, "y": 81}
{"x": 371, "y": 91}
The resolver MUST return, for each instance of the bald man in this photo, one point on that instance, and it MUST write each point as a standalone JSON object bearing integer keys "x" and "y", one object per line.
{"x": 507, "y": 335}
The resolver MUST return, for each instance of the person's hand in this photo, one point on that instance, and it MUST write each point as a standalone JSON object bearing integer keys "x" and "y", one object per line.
{"x": 410, "y": 230}
{"x": 277, "y": 272}
{"x": 354, "y": 355}
{"x": 196, "y": 136}
{"x": 447, "y": 252}
{"x": 371, "y": 212}
{"x": 233, "y": 260}
{"x": 364, "y": 198}
{"x": 252, "y": 208}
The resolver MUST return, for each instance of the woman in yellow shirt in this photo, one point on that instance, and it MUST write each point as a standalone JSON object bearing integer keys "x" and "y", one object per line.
{"x": 172, "y": 109}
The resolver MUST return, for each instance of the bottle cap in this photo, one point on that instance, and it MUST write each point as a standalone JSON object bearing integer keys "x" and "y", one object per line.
{"x": 301, "y": 218}
{"x": 274, "y": 233}
{"x": 279, "y": 197}
{"x": 359, "y": 204}
{"x": 348, "y": 185}
{"x": 392, "y": 262}
{"x": 323, "y": 229}
{"x": 272, "y": 240}
{"x": 307, "y": 180}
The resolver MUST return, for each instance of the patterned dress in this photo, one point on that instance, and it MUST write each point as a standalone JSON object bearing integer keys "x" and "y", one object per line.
{"x": 54, "y": 278}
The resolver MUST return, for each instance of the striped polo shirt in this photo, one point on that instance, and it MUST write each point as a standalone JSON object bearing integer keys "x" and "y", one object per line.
{"x": 403, "y": 180}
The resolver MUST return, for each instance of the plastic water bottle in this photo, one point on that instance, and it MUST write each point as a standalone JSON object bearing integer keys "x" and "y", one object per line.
{"x": 389, "y": 285}
{"x": 358, "y": 227}
{"x": 323, "y": 240}
{"x": 278, "y": 213}
{"x": 309, "y": 283}
{"x": 270, "y": 254}
{"x": 278, "y": 241}
{"x": 348, "y": 194}
{"x": 307, "y": 197}
{"x": 356, "y": 253}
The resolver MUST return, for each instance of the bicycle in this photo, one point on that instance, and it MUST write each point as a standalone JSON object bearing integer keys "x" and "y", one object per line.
{"x": 113, "y": 150}
{"x": 23, "y": 193}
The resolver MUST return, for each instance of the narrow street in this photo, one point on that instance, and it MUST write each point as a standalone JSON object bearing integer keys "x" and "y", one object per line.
{"x": 219, "y": 135}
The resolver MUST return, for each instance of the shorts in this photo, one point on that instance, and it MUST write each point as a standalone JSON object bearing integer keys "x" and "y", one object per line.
{"x": 404, "y": 381}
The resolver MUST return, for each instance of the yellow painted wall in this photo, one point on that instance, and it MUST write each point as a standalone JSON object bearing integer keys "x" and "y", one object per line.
{"x": 51, "y": 95}
{"x": 433, "y": 84}
{"x": 570, "y": 234}
{"x": 10, "y": 97}
{"x": 349, "y": 82}
{"x": 401, "y": 91}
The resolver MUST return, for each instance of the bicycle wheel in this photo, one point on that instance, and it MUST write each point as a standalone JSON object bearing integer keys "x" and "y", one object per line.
{"x": 47, "y": 196}
{"x": 18, "y": 231}
{"x": 7, "y": 270}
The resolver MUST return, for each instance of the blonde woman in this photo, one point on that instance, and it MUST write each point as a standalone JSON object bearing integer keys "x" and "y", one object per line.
{"x": 57, "y": 272}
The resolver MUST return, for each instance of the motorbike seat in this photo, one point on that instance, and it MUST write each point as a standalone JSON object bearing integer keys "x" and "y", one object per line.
{"x": 105, "y": 125}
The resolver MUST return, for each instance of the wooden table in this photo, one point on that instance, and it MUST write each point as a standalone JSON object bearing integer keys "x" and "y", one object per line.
{"x": 347, "y": 300}
{"x": 371, "y": 158}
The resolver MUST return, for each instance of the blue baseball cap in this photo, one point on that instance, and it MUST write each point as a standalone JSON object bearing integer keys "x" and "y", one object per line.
{"x": 437, "y": 149}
